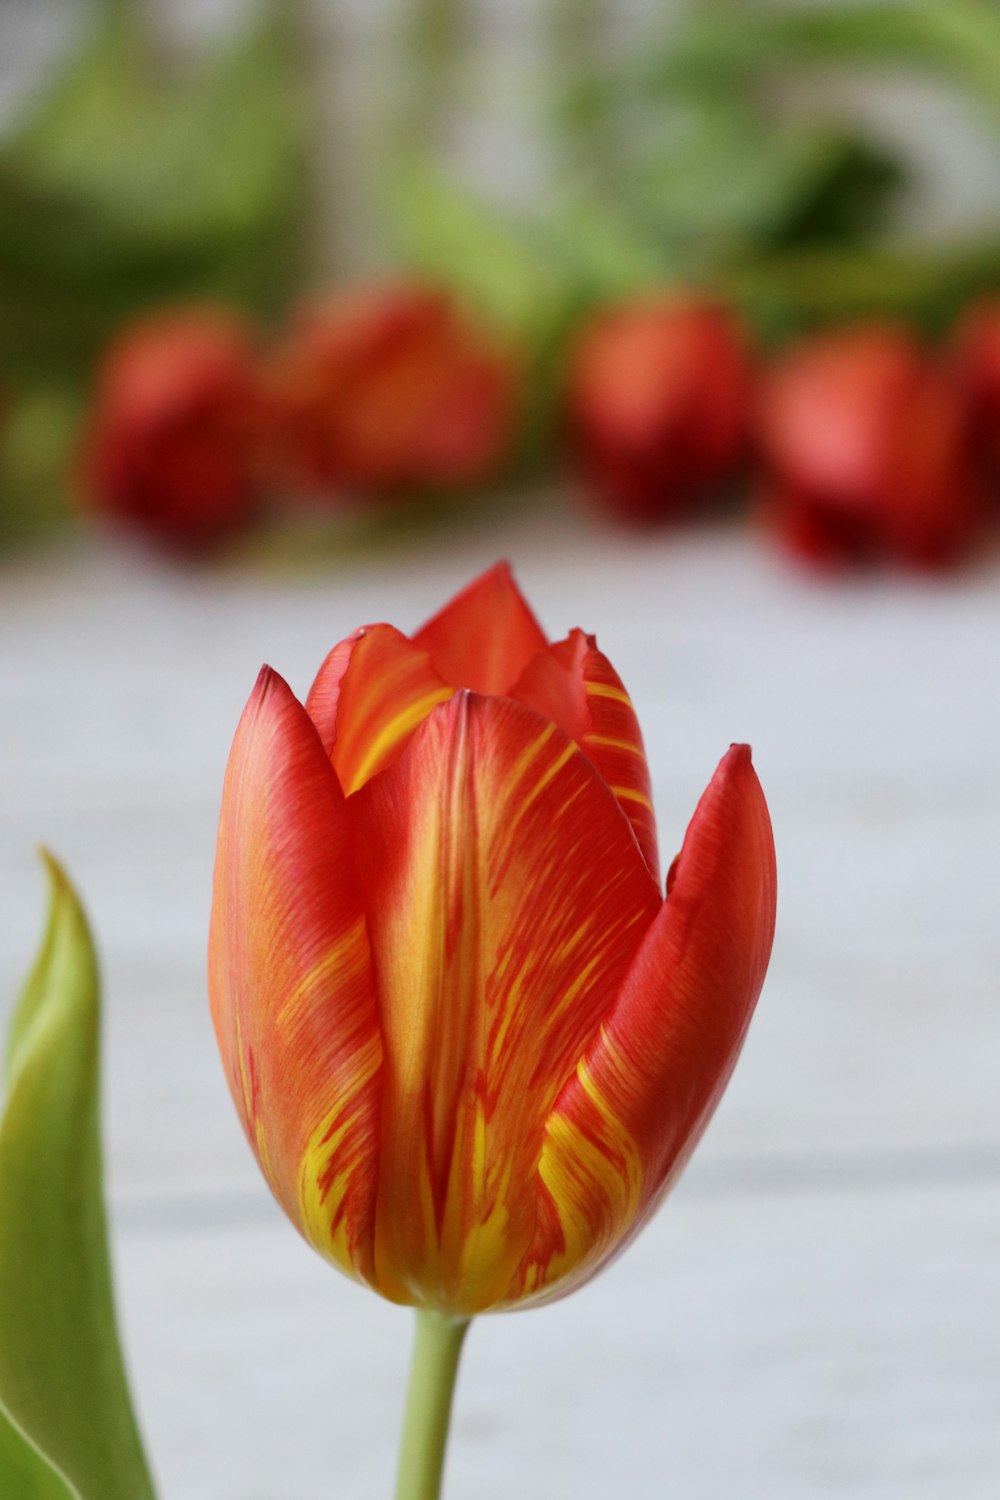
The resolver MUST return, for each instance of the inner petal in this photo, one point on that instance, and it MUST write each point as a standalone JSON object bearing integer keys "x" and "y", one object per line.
{"x": 574, "y": 684}
{"x": 370, "y": 695}
{"x": 485, "y": 637}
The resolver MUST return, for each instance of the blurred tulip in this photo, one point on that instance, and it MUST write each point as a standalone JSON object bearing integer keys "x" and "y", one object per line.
{"x": 866, "y": 451}
{"x": 174, "y": 431}
{"x": 659, "y": 406}
{"x": 976, "y": 362}
{"x": 387, "y": 390}
{"x": 470, "y": 1042}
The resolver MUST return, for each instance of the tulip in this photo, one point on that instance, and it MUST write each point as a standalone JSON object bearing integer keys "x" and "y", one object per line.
{"x": 866, "y": 451}
{"x": 659, "y": 405}
{"x": 469, "y": 1040}
{"x": 388, "y": 390}
{"x": 976, "y": 363}
{"x": 170, "y": 449}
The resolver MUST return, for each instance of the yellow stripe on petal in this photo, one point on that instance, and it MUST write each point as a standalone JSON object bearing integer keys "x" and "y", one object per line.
{"x": 290, "y": 975}
{"x": 370, "y": 695}
{"x": 505, "y": 896}
{"x": 646, "y": 1086}
{"x": 331, "y": 1159}
{"x": 574, "y": 685}
{"x": 591, "y": 1168}
{"x": 609, "y": 690}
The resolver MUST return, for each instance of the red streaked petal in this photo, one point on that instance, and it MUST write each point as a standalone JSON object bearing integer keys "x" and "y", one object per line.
{"x": 574, "y": 684}
{"x": 290, "y": 978}
{"x": 486, "y": 636}
{"x": 647, "y": 1085}
{"x": 370, "y": 695}
{"x": 505, "y": 900}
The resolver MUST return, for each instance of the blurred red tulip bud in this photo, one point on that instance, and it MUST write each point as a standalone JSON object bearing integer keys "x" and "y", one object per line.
{"x": 390, "y": 389}
{"x": 171, "y": 443}
{"x": 976, "y": 358}
{"x": 659, "y": 406}
{"x": 866, "y": 451}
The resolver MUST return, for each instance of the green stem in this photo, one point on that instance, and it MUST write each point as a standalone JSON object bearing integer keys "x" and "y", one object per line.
{"x": 429, "y": 43}
{"x": 436, "y": 1353}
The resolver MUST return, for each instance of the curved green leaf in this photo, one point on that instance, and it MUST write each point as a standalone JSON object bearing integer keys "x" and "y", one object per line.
{"x": 24, "y": 1472}
{"x": 62, "y": 1377}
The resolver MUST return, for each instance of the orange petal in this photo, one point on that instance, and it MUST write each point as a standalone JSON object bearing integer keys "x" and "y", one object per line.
{"x": 486, "y": 636}
{"x": 575, "y": 685}
{"x": 505, "y": 899}
{"x": 646, "y": 1087}
{"x": 370, "y": 695}
{"x": 290, "y": 978}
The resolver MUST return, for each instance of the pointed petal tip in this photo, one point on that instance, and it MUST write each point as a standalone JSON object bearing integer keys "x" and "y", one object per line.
{"x": 268, "y": 683}
{"x": 264, "y": 681}
{"x": 485, "y": 635}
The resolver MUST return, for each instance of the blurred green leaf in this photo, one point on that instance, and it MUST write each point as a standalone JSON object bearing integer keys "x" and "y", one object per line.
{"x": 959, "y": 40}
{"x": 62, "y": 1377}
{"x": 793, "y": 293}
{"x": 725, "y": 178}
{"x": 39, "y": 432}
{"x": 124, "y": 188}
{"x": 602, "y": 253}
{"x": 498, "y": 265}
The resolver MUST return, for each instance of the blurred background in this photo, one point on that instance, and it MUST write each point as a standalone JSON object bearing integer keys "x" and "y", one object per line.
{"x": 309, "y": 311}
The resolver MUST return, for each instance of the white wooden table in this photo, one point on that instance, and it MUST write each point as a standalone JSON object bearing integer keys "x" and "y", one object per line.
{"x": 816, "y": 1312}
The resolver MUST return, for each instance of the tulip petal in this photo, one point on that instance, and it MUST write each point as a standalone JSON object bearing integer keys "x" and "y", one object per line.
{"x": 505, "y": 899}
{"x": 486, "y": 636}
{"x": 575, "y": 685}
{"x": 370, "y": 695}
{"x": 647, "y": 1085}
{"x": 290, "y": 978}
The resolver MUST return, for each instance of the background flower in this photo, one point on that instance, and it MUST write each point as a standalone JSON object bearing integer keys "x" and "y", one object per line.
{"x": 173, "y": 439}
{"x": 390, "y": 389}
{"x": 866, "y": 452}
{"x": 659, "y": 406}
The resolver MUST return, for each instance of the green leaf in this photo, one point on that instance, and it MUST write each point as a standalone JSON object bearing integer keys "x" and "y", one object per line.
{"x": 62, "y": 1377}
{"x": 24, "y": 1472}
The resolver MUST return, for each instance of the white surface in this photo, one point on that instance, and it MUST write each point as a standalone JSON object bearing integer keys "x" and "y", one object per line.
{"x": 816, "y": 1313}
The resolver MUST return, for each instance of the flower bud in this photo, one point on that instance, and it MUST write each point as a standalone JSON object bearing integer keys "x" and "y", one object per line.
{"x": 976, "y": 362}
{"x": 387, "y": 390}
{"x": 172, "y": 436}
{"x": 865, "y": 451}
{"x": 659, "y": 406}
{"x": 470, "y": 1040}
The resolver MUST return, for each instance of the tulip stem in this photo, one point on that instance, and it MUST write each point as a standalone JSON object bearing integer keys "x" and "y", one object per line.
{"x": 436, "y": 1352}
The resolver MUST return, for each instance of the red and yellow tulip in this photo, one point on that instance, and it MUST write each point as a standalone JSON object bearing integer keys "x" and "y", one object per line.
{"x": 470, "y": 1041}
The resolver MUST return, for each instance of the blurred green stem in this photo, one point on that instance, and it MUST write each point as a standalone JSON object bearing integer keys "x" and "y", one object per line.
{"x": 429, "y": 38}
{"x": 578, "y": 38}
{"x": 436, "y": 1354}
{"x": 792, "y": 293}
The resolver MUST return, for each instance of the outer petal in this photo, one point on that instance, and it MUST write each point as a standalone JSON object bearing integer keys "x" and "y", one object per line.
{"x": 370, "y": 694}
{"x": 505, "y": 899}
{"x": 290, "y": 978}
{"x": 643, "y": 1092}
{"x": 486, "y": 636}
{"x": 575, "y": 684}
